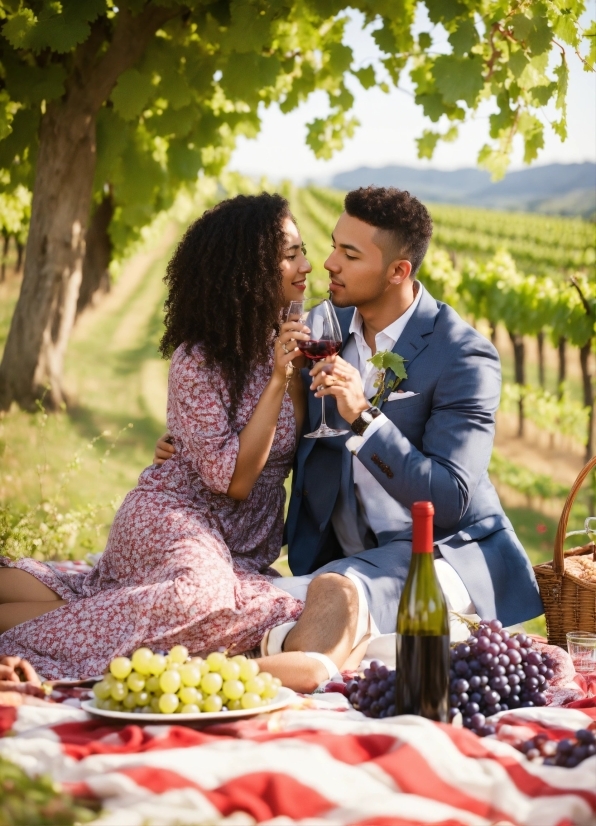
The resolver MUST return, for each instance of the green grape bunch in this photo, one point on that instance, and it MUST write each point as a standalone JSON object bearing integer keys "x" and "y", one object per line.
{"x": 153, "y": 683}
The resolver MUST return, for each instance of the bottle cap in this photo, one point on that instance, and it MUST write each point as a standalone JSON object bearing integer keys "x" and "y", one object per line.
{"x": 422, "y": 527}
{"x": 423, "y": 508}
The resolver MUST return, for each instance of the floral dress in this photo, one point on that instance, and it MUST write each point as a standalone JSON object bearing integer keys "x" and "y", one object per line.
{"x": 184, "y": 564}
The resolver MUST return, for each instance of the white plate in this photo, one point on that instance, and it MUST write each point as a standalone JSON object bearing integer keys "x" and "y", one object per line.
{"x": 282, "y": 699}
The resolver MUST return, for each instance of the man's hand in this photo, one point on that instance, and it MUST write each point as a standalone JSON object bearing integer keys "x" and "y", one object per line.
{"x": 335, "y": 377}
{"x": 164, "y": 449}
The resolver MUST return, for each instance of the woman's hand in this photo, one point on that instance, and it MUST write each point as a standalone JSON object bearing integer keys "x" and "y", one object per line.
{"x": 286, "y": 350}
{"x": 164, "y": 449}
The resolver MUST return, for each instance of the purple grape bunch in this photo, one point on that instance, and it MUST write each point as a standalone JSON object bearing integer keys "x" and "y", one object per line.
{"x": 373, "y": 693}
{"x": 495, "y": 671}
{"x": 568, "y": 753}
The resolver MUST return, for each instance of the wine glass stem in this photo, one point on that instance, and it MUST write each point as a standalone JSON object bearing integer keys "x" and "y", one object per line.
{"x": 323, "y": 422}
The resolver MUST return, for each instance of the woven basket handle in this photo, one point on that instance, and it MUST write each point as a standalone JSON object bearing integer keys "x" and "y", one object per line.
{"x": 558, "y": 556}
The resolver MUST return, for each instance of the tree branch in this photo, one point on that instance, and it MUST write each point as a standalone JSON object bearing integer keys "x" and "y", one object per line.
{"x": 130, "y": 38}
{"x": 583, "y": 299}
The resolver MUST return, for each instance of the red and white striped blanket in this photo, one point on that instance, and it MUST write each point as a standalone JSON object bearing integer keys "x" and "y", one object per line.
{"x": 318, "y": 762}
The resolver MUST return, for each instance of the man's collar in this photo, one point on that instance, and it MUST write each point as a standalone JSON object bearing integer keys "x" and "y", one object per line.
{"x": 393, "y": 330}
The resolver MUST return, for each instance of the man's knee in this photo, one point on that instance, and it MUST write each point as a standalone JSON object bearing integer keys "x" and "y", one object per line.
{"x": 336, "y": 587}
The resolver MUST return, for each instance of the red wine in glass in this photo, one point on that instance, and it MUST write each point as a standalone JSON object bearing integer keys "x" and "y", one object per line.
{"x": 325, "y": 341}
{"x": 319, "y": 349}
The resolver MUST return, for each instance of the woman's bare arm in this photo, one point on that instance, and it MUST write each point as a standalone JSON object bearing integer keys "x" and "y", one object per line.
{"x": 256, "y": 437}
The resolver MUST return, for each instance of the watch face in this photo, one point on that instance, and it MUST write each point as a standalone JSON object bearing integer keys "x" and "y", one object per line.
{"x": 366, "y": 417}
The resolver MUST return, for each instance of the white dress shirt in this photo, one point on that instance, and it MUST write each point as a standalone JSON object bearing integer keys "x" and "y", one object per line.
{"x": 372, "y": 497}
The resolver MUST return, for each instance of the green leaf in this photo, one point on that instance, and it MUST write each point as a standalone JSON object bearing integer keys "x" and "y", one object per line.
{"x": 566, "y": 27}
{"x": 30, "y": 84}
{"x": 427, "y": 143}
{"x": 425, "y": 41}
{"x": 532, "y": 131}
{"x": 590, "y": 36}
{"x": 542, "y": 94}
{"x": 6, "y": 115}
{"x": 366, "y": 76}
{"x": 340, "y": 58}
{"x": 503, "y": 119}
{"x": 534, "y": 73}
{"x": 562, "y": 73}
{"x": 386, "y": 360}
{"x": 445, "y": 11}
{"x": 517, "y": 62}
{"x": 521, "y": 25}
{"x": 176, "y": 122}
{"x": 540, "y": 36}
{"x": 131, "y": 94}
{"x": 250, "y": 28}
{"x": 459, "y": 78}
{"x": 175, "y": 89}
{"x": 534, "y": 31}
{"x": 246, "y": 75}
{"x": 19, "y": 28}
{"x": 494, "y": 160}
{"x": 183, "y": 161}
{"x": 327, "y": 135}
{"x": 464, "y": 38}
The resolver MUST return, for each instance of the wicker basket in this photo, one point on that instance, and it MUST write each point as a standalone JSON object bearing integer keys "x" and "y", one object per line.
{"x": 569, "y": 602}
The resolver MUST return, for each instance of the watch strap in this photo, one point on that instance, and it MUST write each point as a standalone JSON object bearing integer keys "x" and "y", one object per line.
{"x": 360, "y": 424}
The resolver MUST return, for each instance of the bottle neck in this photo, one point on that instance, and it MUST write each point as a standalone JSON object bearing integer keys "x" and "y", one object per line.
{"x": 422, "y": 533}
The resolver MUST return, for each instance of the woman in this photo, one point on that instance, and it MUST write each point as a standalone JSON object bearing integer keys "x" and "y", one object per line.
{"x": 188, "y": 555}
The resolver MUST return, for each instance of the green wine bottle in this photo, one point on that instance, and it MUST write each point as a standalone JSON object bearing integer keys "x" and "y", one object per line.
{"x": 422, "y": 647}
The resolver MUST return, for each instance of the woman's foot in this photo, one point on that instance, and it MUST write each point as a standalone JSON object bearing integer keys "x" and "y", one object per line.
{"x": 18, "y": 681}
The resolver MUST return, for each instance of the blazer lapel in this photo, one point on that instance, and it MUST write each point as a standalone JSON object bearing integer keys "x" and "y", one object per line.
{"x": 414, "y": 338}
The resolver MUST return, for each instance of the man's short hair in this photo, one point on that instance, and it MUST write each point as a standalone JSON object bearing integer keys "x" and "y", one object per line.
{"x": 397, "y": 212}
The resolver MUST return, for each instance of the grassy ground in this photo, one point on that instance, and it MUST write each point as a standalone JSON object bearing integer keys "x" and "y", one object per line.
{"x": 117, "y": 386}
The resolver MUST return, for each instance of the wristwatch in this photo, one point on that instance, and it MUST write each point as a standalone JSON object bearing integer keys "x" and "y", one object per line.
{"x": 360, "y": 424}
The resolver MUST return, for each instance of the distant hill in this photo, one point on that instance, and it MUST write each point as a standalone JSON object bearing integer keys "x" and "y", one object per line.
{"x": 563, "y": 189}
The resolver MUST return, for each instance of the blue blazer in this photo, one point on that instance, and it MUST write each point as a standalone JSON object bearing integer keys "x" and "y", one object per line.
{"x": 437, "y": 447}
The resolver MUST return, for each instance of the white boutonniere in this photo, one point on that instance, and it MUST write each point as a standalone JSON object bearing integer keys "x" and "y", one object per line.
{"x": 385, "y": 360}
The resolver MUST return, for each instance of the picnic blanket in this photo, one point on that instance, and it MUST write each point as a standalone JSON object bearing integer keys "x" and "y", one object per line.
{"x": 318, "y": 762}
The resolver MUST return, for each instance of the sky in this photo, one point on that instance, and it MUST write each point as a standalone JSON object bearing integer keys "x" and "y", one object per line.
{"x": 390, "y": 123}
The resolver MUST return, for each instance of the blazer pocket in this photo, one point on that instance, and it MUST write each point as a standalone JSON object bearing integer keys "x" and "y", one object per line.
{"x": 393, "y": 407}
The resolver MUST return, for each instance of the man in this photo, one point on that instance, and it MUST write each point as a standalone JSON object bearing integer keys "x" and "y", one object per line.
{"x": 429, "y": 439}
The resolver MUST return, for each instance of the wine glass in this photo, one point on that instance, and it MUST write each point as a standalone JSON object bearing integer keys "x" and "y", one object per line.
{"x": 325, "y": 341}
{"x": 589, "y": 529}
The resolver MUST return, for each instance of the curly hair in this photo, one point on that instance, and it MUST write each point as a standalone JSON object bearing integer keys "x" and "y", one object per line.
{"x": 225, "y": 286}
{"x": 398, "y": 212}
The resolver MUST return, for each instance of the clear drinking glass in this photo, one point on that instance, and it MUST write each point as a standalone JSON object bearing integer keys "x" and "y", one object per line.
{"x": 325, "y": 340}
{"x": 582, "y": 650}
{"x": 589, "y": 529}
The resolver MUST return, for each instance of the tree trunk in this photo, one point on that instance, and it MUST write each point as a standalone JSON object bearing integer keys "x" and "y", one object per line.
{"x": 98, "y": 254}
{"x": 44, "y": 314}
{"x": 20, "y": 251}
{"x": 493, "y": 333}
{"x": 34, "y": 354}
{"x": 540, "y": 340}
{"x": 5, "y": 240}
{"x": 562, "y": 365}
{"x": 588, "y": 388}
{"x": 519, "y": 352}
